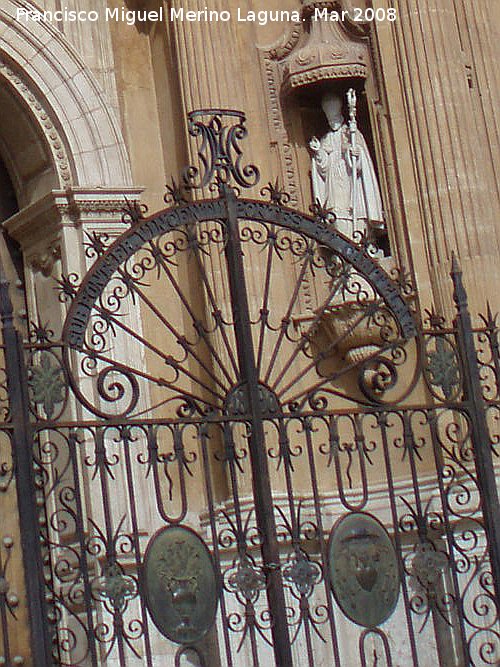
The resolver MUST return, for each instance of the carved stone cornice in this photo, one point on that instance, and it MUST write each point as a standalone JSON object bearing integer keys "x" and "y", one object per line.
{"x": 38, "y": 228}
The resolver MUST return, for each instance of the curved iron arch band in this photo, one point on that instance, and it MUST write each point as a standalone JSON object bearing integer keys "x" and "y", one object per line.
{"x": 215, "y": 209}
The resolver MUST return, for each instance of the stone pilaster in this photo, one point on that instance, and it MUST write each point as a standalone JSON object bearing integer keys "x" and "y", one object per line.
{"x": 439, "y": 99}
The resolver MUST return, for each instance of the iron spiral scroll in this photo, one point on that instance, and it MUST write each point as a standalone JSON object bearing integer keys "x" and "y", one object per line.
{"x": 323, "y": 277}
{"x": 253, "y": 454}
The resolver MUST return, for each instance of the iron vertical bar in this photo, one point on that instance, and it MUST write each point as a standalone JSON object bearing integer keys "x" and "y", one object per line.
{"x": 22, "y": 445}
{"x": 479, "y": 428}
{"x": 260, "y": 472}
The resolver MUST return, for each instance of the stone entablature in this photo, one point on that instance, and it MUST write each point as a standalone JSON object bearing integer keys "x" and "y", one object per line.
{"x": 39, "y": 228}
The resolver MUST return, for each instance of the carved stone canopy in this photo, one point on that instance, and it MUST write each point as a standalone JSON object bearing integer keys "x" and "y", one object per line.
{"x": 326, "y": 45}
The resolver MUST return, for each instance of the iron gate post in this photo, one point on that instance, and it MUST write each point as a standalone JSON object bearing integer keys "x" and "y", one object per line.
{"x": 260, "y": 473}
{"x": 22, "y": 445}
{"x": 479, "y": 427}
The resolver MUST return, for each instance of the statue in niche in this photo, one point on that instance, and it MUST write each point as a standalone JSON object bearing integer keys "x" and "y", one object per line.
{"x": 344, "y": 182}
{"x": 343, "y": 176}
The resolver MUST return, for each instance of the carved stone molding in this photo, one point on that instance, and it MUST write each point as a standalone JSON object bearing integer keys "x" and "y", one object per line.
{"x": 38, "y": 228}
{"x": 24, "y": 89}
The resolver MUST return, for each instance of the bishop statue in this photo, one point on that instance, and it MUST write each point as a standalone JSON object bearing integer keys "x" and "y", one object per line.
{"x": 343, "y": 176}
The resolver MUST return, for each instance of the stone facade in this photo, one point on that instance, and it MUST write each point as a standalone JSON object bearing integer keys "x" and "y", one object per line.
{"x": 99, "y": 102}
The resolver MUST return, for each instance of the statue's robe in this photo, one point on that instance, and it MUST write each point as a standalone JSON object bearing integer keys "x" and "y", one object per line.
{"x": 332, "y": 182}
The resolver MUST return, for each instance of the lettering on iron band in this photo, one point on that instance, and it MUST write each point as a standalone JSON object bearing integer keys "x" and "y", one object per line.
{"x": 122, "y": 250}
{"x": 151, "y": 229}
{"x": 78, "y": 325}
{"x": 146, "y": 230}
{"x": 354, "y": 255}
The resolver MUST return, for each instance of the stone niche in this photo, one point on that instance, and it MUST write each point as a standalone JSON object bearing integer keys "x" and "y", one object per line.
{"x": 320, "y": 53}
{"x": 316, "y": 54}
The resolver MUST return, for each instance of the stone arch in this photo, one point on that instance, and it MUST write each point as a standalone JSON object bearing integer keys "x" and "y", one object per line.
{"x": 65, "y": 104}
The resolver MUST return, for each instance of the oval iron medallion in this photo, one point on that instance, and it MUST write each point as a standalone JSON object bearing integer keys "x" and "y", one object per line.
{"x": 181, "y": 584}
{"x": 363, "y": 567}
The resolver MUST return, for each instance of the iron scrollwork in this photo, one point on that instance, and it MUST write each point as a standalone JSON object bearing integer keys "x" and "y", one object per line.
{"x": 127, "y": 273}
{"x": 172, "y": 423}
{"x": 219, "y": 153}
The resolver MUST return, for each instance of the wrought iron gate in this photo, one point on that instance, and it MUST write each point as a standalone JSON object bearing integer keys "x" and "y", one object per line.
{"x": 247, "y": 450}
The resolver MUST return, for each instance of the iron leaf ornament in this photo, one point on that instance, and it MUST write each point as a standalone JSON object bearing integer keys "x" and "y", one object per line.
{"x": 443, "y": 368}
{"x": 47, "y": 385}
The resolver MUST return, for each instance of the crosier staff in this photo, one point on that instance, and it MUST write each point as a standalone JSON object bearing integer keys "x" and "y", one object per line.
{"x": 353, "y": 150}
